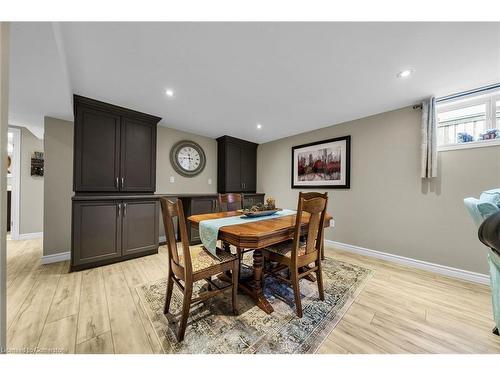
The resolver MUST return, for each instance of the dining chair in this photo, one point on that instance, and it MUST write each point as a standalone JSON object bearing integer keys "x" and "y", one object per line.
{"x": 192, "y": 265}
{"x": 307, "y": 196}
{"x": 230, "y": 202}
{"x": 295, "y": 255}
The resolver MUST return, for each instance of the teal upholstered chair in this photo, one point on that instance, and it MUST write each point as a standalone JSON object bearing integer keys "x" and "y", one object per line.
{"x": 480, "y": 209}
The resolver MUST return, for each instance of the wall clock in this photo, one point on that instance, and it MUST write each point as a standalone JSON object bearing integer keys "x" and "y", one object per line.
{"x": 187, "y": 158}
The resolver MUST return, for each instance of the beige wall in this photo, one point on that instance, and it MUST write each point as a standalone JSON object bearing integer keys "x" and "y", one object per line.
{"x": 31, "y": 189}
{"x": 166, "y": 139}
{"x": 58, "y": 190}
{"x": 183, "y": 185}
{"x": 388, "y": 208}
{"x": 59, "y": 177}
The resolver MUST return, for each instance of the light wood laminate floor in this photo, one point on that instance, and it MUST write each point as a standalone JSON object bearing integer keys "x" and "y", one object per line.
{"x": 400, "y": 310}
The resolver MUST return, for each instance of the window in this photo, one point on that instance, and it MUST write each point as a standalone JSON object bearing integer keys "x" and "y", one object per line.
{"x": 469, "y": 122}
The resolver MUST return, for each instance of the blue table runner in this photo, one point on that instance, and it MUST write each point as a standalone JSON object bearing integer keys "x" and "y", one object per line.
{"x": 209, "y": 229}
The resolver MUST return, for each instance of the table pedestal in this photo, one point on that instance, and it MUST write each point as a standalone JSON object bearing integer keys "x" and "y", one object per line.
{"x": 252, "y": 285}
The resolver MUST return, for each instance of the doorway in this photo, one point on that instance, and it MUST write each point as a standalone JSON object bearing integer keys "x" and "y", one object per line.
{"x": 13, "y": 181}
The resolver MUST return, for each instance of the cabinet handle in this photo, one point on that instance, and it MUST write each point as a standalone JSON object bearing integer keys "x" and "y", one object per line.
{"x": 116, "y": 183}
{"x": 124, "y": 209}
{"x": 123, "y": 182}
{"x": 119, "y": 209}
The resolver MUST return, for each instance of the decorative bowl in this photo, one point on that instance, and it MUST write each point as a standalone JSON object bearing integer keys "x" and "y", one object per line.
{"x": 249, "y": 213}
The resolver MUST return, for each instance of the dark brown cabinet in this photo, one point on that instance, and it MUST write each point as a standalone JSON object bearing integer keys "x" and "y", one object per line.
{"x": 236, "y": 165}
{"x": 106, "y": 230}
{"x": 195, "y": 205}
{"x": 250, "y": 200}
{"x": 115, "y": 216}
{"x": 115, "y": 148}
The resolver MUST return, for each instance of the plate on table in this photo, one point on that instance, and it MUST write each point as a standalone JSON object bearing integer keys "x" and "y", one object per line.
{"x": 248, "y": 213}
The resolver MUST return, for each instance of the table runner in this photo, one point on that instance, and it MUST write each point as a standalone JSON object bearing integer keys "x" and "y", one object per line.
{"x": 209, "y": 229}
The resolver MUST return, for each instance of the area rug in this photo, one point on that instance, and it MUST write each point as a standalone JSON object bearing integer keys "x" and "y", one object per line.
{"x": 213, "y": 329}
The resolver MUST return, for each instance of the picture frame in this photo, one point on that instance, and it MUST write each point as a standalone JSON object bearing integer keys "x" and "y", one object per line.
{"x": 323, "y": 164}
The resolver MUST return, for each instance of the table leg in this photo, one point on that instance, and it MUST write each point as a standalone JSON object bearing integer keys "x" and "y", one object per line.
{"x": 253, "y": 287}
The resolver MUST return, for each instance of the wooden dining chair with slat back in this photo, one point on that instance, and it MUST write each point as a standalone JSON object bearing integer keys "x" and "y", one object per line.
{"x": 192, "y": 265}
{"x": 297, "y": 256}
{"x": 307, "y": 196}
{"x": 230, "y": 202}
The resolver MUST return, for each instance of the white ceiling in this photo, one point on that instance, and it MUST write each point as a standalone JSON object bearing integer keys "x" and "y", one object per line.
{"x": 227, "y": 77}
{"x": 38, "y": 86}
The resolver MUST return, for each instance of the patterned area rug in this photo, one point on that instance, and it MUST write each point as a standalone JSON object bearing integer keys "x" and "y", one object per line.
{"x": 213, "y": 329}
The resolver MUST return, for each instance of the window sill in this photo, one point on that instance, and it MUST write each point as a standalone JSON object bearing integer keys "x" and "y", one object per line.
{"x": 461, "y": 146}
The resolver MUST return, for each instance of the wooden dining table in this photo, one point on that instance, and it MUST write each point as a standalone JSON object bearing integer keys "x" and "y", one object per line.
{"x": 254, "y": 236}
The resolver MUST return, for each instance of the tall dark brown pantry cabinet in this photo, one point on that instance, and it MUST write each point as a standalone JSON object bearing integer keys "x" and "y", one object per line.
{"x": 115, "y": 213}
{"x": 236, "y": 165}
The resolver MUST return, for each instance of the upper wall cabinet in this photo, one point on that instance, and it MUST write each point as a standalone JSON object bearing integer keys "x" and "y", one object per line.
{"x": 115, "y": 148}
{"x": 236, "y": 165}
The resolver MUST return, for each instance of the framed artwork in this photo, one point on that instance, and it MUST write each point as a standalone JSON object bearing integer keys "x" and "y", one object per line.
{"x": 37, "y": 163}
{"x": 322, "y": 164}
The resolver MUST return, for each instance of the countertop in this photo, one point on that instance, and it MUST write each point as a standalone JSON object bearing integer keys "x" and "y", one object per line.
{"x": 114, "y": 196}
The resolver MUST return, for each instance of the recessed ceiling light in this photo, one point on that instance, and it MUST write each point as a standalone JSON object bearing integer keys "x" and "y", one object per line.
{"x": 405, "y": 73}
{"x": 259, "y": 126}
{"x": 169, "y": 93}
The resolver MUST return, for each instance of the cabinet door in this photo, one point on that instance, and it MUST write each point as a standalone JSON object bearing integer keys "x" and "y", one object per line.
{"x": 248, "y": 169}
{"x": 96, "y": 231}
{"x": 138, "y": 156}
{"x": 139, "y": 226}
{"x": 233, "y": 167}
{"x": 97, "y": 150}
{"x": 250, "y": 200}
{"x": 199, "y": 205}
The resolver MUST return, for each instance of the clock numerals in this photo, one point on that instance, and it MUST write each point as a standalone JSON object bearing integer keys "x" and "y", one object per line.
{"x": 187, "y": 158}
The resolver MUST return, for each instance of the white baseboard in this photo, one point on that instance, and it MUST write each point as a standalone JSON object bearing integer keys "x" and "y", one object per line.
{"x": 420, "y": 264}
{"x": 30, "y": 236}
{"x": 54, "y": 258}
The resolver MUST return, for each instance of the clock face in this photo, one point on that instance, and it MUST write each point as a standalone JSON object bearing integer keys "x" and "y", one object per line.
{"x": 187, "y": 158}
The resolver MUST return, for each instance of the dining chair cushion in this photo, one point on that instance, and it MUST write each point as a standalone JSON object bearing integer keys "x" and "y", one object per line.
{"x": 285, "y": 248}
{"x": 202, "y": 259}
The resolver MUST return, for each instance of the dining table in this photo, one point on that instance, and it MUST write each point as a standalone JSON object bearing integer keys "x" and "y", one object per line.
{"x": 255, "y": 236}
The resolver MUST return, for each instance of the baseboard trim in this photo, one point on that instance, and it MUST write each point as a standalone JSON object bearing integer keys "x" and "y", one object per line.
{"x": 420, "y": 264}
{"x": 30, "y": 236}
{"x": 54, "y": 258}
{"x": 163, "y": 239}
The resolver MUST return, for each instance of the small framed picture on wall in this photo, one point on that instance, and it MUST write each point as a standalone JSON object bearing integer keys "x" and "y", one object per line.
{"x": 322, "y": 164}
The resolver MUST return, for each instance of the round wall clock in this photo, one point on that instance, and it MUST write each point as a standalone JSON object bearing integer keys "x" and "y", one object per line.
{"x": 187, "y": 158}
